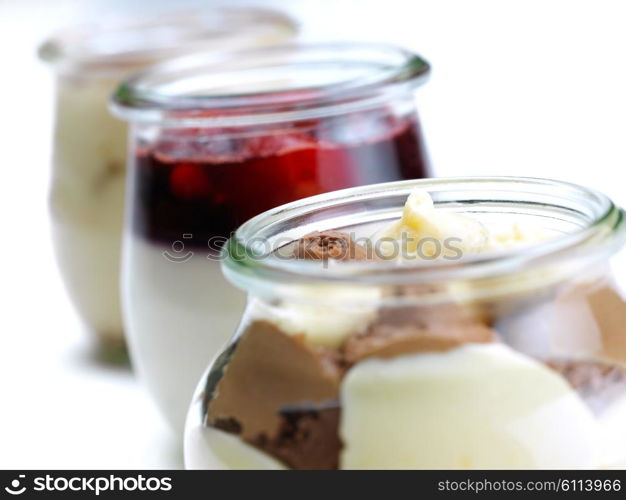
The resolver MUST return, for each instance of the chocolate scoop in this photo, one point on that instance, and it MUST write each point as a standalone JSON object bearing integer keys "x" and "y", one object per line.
{"x": 268, "y": 371}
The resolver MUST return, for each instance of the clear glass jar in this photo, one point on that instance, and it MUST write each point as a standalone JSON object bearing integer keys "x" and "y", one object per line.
{"x": 509, "y": 359}
{"x": 89, "y": 165}
{"x": 295, "y": 121}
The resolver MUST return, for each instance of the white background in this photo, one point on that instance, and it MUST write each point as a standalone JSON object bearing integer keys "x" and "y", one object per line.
{"x": 518, "y": 88}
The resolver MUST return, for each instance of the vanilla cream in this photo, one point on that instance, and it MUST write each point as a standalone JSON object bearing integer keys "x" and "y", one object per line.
{"x": 474, "y": 407}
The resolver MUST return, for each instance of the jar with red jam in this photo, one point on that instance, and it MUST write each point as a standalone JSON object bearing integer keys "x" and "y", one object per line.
{"x": 89, "y": 161}
{"x": 216, "y": 140}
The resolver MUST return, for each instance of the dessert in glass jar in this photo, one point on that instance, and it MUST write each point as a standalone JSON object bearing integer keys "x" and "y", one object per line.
{"x": 218, "y": 140}
{"x": 472, "y": 323}
{"x": 89, "y": 165}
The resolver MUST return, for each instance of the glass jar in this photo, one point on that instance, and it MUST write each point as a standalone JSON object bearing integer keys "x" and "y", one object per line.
{"x": 508, "y": 359}
{"x": 217, "y": 140}
{"x": 89, "y": 165}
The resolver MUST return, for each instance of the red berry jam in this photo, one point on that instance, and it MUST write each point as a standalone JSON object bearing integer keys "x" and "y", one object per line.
{"x": 206, "y": 182}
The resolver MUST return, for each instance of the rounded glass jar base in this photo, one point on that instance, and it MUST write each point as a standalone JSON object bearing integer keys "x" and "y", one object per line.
{"x": 111, "y": 350}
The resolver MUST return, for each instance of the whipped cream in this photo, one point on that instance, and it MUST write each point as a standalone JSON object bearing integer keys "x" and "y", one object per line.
{"x": 428, "y": 232}
{"x": 321, "y": 323}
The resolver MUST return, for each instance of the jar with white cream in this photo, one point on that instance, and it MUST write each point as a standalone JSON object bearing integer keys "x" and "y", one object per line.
{"x": 89, "y": 163}
{"x": 475, "y": 323}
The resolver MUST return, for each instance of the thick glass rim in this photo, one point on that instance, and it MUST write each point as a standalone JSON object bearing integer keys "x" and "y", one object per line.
{"x": 602, "y": 232}
{"x": 117, "y": 46}
{"x": 271, "y": 84}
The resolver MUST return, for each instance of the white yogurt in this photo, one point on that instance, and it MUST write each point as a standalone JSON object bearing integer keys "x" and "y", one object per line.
{"x": 87, "y": 201}
{"x": 178, "y": 316}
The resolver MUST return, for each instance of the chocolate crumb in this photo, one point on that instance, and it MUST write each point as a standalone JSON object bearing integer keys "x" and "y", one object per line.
{"x": 596, "y": 382}
{"x": 307, "y": 439}
{"x": 325, "y": 245}
{"x": 229, "y": 424}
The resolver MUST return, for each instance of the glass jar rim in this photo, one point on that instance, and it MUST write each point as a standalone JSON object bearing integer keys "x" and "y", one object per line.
{"x": 247, "y": 265}
{"x": 117, "y": 46}
{"x": 268, "y": 85}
